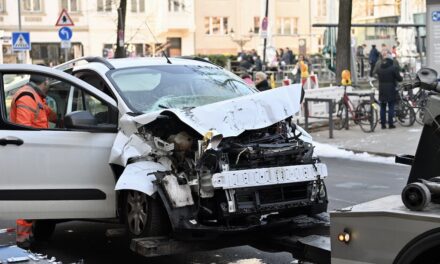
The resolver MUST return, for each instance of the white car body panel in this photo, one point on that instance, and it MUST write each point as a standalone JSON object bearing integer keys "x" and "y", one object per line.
{"x": 51, "y": 159}
{"x": 138, "y": 176}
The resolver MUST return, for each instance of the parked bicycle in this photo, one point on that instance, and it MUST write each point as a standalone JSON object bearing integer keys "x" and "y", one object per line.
{"x": 365, "y": 114}
{"x": 404, "y": 110}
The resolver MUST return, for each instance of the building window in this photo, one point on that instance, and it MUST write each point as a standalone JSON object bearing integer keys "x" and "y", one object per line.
{"x": 137, "y": 6}
{"x": 70, "y": 5}
{"x": 176, "y": 5}
{"x": 31, "y": 5}
{"x": 322, "y": 8}
{"x": 287, "y": 25}
{"x": 104, "y": 5}
{"x": 257, "y": 23}
{"x": 216, "y": 26}
{"x": 2, "y": 6}
{"x": 369, "y": 8}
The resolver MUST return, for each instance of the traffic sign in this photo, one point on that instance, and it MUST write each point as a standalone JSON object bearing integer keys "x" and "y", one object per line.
{"x": 264, "y": 23}
{"x": 66, "y": 44}
{"x": 64, "y": 19}
{"x": 436, "y": 16}
{"x": 21, "y": 41}
{"x": 65, "y": 33}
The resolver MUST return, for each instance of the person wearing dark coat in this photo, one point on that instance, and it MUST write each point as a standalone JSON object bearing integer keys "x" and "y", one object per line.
{"x": 373, "y": 57}
{"x": 261, "y": 82}
{"x": 388, "y": 76}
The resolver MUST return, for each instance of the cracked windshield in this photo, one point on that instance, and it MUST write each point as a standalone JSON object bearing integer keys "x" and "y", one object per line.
{"x": 149, "y": 89}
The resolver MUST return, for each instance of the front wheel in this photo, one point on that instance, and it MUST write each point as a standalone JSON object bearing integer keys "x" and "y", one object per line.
{"x": 405, "y": 114}
{"x": 420, "y": 114}
{"x": 341, "y": 116}
{"x": 144, "y": 216}
{"x": 367, "y": 116}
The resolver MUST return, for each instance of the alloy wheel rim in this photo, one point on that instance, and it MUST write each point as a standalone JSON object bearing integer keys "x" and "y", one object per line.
{"x": 136, "y": 212}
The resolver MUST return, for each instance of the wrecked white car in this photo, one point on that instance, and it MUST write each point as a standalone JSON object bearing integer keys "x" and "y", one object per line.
{"x": 193, "y": 151}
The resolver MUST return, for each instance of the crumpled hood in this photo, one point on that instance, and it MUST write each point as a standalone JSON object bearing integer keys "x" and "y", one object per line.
{"x": 232, "y": 117}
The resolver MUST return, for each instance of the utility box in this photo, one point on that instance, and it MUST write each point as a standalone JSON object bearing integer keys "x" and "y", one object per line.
{"x": 433, "y": 34}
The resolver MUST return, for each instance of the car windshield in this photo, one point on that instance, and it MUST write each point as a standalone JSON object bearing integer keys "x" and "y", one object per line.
{"x": 152, "y": 88}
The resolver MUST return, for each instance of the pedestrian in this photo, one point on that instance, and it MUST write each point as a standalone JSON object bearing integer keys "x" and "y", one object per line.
{"x": 258, "y": 65}
{"x": 247, "y": 79}
{"x": 29, "y": 108}
{"x": 261, "y": 82}
{"x": 285, "y": 59}
{"x": 361, "y": 56}
{"x": 373, "y": 57}
{"x": 394, "y": 51}
{"x": 301, "y": 70}
{"x": 388, "y": 76}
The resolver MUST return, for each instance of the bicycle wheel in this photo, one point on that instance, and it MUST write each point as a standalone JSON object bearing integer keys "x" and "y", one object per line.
{"x": 420, "y": 113}
{"x": 341, "y": 116}
{"x": 405, "y": 114}
{"x": 366, "y": 116}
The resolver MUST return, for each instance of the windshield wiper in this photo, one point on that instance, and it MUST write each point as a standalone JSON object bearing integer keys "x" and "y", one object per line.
{"x": 163, "y": 106}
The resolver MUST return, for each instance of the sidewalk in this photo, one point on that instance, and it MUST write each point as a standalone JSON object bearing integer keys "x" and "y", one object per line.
{"x": 385, "y": 142}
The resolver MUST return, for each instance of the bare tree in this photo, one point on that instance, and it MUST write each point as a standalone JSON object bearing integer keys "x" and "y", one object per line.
{"x": 120, "y": 33}
{"x": 343, "y": 44}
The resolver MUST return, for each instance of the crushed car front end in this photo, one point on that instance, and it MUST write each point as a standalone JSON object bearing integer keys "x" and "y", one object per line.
{"x": 232, "y": 163}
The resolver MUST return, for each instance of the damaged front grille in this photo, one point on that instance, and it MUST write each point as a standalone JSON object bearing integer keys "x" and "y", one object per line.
{"x": 271, "y": 197}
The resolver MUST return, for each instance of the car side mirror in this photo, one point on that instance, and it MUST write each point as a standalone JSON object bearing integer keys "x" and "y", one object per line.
{"x": 80, "y": 120}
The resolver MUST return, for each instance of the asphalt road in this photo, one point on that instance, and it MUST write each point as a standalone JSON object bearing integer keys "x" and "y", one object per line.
{"x": 349, "y": 182}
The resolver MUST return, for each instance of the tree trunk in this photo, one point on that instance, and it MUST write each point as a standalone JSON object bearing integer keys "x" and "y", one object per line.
{"x": 120, "y": 33}
{"x": 343, "y": 43}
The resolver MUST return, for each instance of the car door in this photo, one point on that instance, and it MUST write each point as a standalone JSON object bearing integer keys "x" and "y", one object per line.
{"x": 58, "y": 172}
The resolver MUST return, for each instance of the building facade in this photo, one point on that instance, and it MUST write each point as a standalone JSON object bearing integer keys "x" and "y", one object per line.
{"x": 229, "y": 26}
{"x": 151, "y": 26}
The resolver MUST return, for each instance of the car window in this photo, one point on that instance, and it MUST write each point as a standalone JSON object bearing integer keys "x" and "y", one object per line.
{"x": 26, "y": 95}
{"x": 151, "y": 88}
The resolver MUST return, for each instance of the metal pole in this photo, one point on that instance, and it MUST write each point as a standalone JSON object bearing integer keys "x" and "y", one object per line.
{"x": 306, "y": 114}
{"x": 265, "y": 39}
{"x": 419, "y": 45}
{"x": 330, "y": 118}
{"x": 66, "y": 54}
{"x": 21, "y": 54}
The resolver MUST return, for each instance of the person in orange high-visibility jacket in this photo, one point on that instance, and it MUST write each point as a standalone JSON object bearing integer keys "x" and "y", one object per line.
{"x": 29, "y": 108}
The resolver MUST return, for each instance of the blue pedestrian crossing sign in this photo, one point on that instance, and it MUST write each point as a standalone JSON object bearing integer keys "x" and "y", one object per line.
{"x": 21, "y": 41}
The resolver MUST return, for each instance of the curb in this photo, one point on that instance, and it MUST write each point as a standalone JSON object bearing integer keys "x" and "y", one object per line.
{"x": 382, "y": 154}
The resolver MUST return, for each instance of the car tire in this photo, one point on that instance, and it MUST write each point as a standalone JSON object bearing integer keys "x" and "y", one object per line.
{"x": 144, "y": 216}
{"x": 43, "y": 230}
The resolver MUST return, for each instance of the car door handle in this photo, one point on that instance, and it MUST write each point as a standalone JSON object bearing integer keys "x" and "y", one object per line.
{"x": 11, "y": 141}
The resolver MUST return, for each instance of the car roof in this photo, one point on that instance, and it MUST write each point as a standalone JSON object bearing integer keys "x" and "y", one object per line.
{"x": 122, "y": 63}
{"x": 151, "y": 61}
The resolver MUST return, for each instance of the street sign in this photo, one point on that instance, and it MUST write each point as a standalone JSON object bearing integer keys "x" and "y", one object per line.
{"x": 264, "y": 24}
{"x": 66, "y": 44}
{"x": 65, "y": 33}
{"x": 21, "y": 41}
{"x": 64, "y": 19}
{"x": 436, "y": 16}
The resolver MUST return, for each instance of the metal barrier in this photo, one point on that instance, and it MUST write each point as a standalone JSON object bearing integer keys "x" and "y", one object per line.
{"x": 331, "y": 103}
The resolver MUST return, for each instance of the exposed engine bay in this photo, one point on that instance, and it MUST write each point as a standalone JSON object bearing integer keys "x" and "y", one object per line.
{"x": 193, "y": 161}
{"x": 224, "y": 170}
